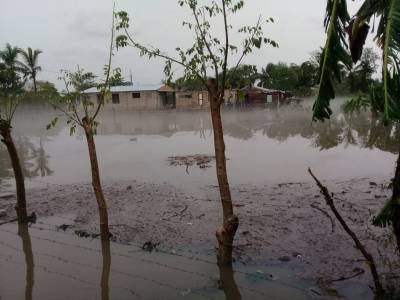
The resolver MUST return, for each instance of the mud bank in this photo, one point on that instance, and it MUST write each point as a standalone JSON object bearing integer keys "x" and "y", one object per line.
{"x": 283, "y": 223}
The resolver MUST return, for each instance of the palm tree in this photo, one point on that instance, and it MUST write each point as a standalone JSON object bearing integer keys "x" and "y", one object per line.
{"x": 264, "y": 77}
{"x": 30, "y": 66}
{"x": 9, "y": 56}
{"x": 338, "y": 24}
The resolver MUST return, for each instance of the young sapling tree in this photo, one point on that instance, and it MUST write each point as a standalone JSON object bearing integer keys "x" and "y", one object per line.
{"x": 81, "y": 112}
{"x": 208, "y": 60}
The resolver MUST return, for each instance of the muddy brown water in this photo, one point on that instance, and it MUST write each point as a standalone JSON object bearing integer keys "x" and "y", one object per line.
{"x": 266, "y": 148}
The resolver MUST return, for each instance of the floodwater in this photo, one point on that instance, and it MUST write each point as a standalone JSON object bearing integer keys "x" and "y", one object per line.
{"x": 264, "y": 146}
{"x": 43, "y": 263}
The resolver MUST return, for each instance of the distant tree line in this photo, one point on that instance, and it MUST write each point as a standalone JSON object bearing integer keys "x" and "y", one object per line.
{"x": 301, "y": 79}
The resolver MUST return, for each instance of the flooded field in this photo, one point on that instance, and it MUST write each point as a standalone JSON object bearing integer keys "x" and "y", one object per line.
{"x": 159, "y": 180}
{"x": 262, "y": 146}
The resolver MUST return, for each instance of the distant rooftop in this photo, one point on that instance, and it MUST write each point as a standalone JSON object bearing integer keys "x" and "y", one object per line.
{"x": 134, "y": 88}
{"x": 261, "y": 89}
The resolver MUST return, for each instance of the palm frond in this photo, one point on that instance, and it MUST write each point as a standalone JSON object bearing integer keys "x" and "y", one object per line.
{"x": 358, "y": 32}
{"x": 389, "y": 37}
{"x": 360, "y": 102}
{"x": 9, "y": 55}
{"x": 334, "y": 57}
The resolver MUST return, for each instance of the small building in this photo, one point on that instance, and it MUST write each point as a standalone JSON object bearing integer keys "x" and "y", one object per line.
{"x": 200, "y": 99}
{"x": 260, "y": 95}
{"x": 137, "y": 97}
{"x": 192, "y": 100}
{"x": 230, "y": 97}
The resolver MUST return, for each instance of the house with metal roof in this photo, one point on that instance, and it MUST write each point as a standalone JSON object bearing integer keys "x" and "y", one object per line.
{"x": 136, "y": 97}
{"x": 259, "y": 95}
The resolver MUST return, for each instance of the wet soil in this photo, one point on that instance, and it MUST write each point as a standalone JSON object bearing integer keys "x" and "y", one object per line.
{"x": 285, "y": 223}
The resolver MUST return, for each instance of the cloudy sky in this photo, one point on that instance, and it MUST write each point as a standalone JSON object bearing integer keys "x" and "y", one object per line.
{"x": 72, "y": 32}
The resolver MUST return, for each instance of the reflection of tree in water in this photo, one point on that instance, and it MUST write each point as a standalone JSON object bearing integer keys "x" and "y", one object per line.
{"x": 23, "y": 232}
{"x": 34, "y": 160}
{"x": 328, "y": 135}
{"x": 5, "y": 165}
{"x": 275, "y": 123}
{"x": 227, "y": 283}
{"x": 105, "y": 273}
{"x": 41, "y": 161}
{"x": 288, "y": 123}
{"x": 239, "y": 130}
{"x": 363, "y": 130}
{"x": 372, "y": 132}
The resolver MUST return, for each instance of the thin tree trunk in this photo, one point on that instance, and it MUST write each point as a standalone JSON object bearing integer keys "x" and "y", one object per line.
{"x": 225, "y": 234}
{"x": 20, "y": 207}
{"x": 96, "y": 183}
{"x": 396, "y": 196}
{"x": 23, "y": 232}
{"x": 34, "y": 84}
{"x": 105, "y": 274}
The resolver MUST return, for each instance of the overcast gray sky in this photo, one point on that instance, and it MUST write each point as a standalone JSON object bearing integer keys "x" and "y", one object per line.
{"x": 72, "y": 32}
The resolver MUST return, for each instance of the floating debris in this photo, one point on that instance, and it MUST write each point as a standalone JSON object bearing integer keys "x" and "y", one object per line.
{"x": 64, "y": 227}
{"x": 150, "y": 246}
{"x": 6, "y": 195}
{"x": 284, "y": 258}
{"x": 85, "y": 234}
{"x": 203, "y": 161}
{"x": 260, "y": 276}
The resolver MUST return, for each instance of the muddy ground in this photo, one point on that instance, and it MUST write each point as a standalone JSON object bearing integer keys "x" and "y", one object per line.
{"x": 287, "y": 222}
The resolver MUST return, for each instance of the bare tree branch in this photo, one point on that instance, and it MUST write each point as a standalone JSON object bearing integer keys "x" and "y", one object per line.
{"x": 158, "y": 54}
{"x": 104, "y": 89}
{"x": 359, "y": 245}
{"x": 245, "y": 48}
{"x": 221, "y": 97}
{"x": 203, "y": 37}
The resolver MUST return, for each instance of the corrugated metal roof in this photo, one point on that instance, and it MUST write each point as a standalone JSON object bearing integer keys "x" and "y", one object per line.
{"x": 129, "y": 88}
{"x": 261, "y": 89}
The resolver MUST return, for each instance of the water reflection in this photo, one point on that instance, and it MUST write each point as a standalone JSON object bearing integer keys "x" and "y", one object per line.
{"x": 34, "y": 159}
{"x": 23, "y": 232}
{"x": 41, "y": 161}
{"x": 5, "y": 166}
{"x": 137, "y": 144}
{"x": 363, "y": 130}
{"x": 105, "y": 273}
{"x": 227, "y": 282}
